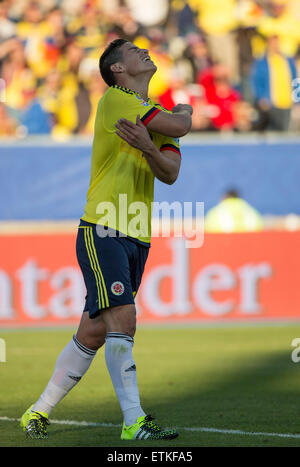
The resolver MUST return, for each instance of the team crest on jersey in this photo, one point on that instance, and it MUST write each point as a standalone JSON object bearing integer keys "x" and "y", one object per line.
{"x": 117, "y": 288}
{"x": 144, "y": 103}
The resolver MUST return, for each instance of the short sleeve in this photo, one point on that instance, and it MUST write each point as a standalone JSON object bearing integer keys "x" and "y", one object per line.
{"x": 122, "y": 103}
{"x": 170, "y": 144}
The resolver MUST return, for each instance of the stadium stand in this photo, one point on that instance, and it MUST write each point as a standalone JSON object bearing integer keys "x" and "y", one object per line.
{"x": 207, "y": 54}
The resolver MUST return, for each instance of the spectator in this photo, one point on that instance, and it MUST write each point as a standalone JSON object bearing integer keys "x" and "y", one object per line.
{"x": 57, "y": 34}
{"x": 243, "y": 116}
{"x": 203, "y": 112}
{"x": 220, "y": 94}
{"x": 49, "y": 94}
{"x": 218, "y": 21}
{"x": 73, "y": 9}
{"x": 148, "y": 14}
{"x": 33, "y": 30}
{"x": 180, "y": 91}
{"x": 34, "y": 119}
{"x": 198, "y": 54}
{"x": 186, "y": 19}
{"x": 123, "y": 24}
{"x": 233, "y": 214}
{"x": 69, "y": 104}
{"x": 88, "y": 28}
{"x": 272, "y": 78}
{"x": 18, "y": 77}
{"x": 53, "y": 46}
{"x": 7, "y": 27}
{"x": 69, "y": 65}
{"x": 96, "y": 88}
{"x": 281, "y": 23}
{"x": 177, "y": 92}
{"x": 249, "y": 14}
{"x": 8, "y": 126}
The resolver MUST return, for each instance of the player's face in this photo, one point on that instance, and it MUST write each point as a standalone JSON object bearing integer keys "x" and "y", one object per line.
{"x": 137, "y": 60}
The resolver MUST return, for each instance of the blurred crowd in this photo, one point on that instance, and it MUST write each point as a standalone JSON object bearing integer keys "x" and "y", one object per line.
{"x": 234, "y": 61}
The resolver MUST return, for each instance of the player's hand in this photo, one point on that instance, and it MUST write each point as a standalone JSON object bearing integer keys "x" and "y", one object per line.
{"x": 182, "y": 108}
{"x": 264, "y": 104}
{"x": 136, "y": 135}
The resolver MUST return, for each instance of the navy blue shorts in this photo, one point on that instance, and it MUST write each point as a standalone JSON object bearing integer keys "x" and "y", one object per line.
{"x": 112, "y": 268}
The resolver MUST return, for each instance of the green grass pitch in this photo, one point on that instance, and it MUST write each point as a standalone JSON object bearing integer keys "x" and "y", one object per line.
{"x": 227, "y": 378}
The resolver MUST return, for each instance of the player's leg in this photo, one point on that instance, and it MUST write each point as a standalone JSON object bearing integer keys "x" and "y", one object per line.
{"x": 71, "y": 365}
{"x": 91, "y": 332}
{"x": 121, "y": 325}
{"x": 73, "y": 362}
{"x": 77, "y": 356}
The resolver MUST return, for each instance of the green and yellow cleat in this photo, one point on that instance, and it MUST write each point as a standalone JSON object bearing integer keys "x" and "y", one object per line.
{"x": 145, "y": 428}
{"x": 35, "y": 424}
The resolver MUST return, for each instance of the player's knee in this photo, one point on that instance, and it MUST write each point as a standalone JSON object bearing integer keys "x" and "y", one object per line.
{"x": 90, "y": 341}
{"x": 121, "y": 319}
{"x": 129, "y": 324}
{"x": 91, "y": 332}
{"x": 90, "y": 338}
{"x": 124, "y": 327}
{"x": 131, "y": 330}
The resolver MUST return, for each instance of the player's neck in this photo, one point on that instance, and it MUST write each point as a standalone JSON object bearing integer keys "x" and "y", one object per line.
{"x": 139, "y": 87}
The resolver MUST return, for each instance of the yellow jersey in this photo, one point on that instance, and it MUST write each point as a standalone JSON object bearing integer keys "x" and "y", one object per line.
{"x": 233, "y": 215}
{"x": 121, "y": 190}
{"x": 281, "y": 81}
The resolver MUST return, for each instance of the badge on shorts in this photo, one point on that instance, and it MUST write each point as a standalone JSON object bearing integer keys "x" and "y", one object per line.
{"x": 117, "y": 288}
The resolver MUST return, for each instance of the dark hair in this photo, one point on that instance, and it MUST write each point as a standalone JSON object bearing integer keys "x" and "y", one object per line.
{"x": 111, "y": 55}
{"x": 232, "y": 193}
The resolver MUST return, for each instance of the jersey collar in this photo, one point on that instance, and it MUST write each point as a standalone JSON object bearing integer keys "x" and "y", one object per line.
{"x": 129, "y": 91}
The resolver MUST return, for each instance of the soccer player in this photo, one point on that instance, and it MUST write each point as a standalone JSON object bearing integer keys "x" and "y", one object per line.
{"x": 135, "y": 140}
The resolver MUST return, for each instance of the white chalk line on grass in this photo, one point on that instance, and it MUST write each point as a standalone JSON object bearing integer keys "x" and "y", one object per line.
{"x": 68, "y": 422}
{"x": 193, "y": 429}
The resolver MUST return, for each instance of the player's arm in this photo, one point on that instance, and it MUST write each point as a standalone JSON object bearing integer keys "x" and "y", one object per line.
{"x": 175, "y": 124}
{"x": 165, "y": 164}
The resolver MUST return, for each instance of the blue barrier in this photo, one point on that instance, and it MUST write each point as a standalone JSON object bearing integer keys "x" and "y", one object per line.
{"x": 49, "y": 181}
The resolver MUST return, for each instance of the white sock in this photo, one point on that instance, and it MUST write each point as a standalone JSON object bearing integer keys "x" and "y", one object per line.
{"x": 71, "y": 365}
{"x": 122, "y": 370}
